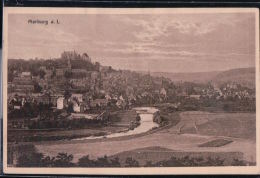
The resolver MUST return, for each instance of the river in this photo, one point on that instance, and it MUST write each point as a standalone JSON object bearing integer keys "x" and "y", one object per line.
{"x": 146, "y": 123}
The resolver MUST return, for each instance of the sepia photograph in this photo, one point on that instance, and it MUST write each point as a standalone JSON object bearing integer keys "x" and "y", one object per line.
{"x": 131, "y": 91}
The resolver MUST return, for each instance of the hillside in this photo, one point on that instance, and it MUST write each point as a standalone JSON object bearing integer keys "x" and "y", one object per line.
{"x": 197, "y": 77}
{"x": 243, "y": 76}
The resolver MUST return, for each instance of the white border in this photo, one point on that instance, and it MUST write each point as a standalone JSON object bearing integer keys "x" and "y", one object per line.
{"x": 127, "y": 171}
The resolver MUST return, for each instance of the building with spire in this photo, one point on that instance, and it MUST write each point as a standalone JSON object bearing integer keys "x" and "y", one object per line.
{"x": 86, "y": 57}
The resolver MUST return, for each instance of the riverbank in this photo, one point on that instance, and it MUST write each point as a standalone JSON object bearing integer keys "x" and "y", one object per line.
{"x": 121, "y": 122}
{"x": 146, "y": 125}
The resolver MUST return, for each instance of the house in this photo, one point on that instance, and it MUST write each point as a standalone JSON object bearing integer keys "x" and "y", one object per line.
{"x": 17, "y": 107}
{"x": 63, "y": 115}
{"x": 104, "y": 69}
{"x": 84, "y": 106}
{"x": 54, "y": 98}
{"x": 23, "y": 83}
{"x": 195, "y": 96}
{"x": 94, "y": 75}
{"x": 108, "y": 97}
{"x": 131, "y": 98}
{"x": 10, "y": 86}
{"x": 78, "y": 97}
{"x": 43, "y": 68}
{"x": 99, "y": 103}
{"x": 60, "y": 103}
{"x": 26, "y": 75}
{"x": 121, "y": 102}
{"x": 48, "y": 74}
{"x": 43, "y": 83}
{"x": 17, "y": 94}
{"x": 145, "y": 94}
{"x": 79, "y": 73}
{"x": 24, "y": 87}
{"x": 183, "y": 94}
{"x": 60, "y": 72}
{"x": 76, "y": 107}
{"x": 163, "y": 92}
{"x": 45, "y": 99}
{"x": 79, "y": 82}
{"x": 35, "y": 96}
{"x": 16, "y": 102}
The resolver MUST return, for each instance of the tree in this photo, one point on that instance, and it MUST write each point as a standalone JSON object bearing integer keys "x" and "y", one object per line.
{"x": 237, "y": 162}
{"x": 28, "y": 110}
{"x": 86, "y": 162}
{"x": 42, "y": 74}
{"x": 30, "y": 160}
{"x": 48, "y": 161}
{"x": 37, "y": 88}
{"x": 68, "y": 74}
{"x": 138, "y": 118}
{"x": 70, "y": 108}
{"x": 148, "y": 164}
{"x": 130, "y": 162}
{"x": 214, "y": 162}
{"x": 102, "y": 162}
{"x": 172, "y": 162}
{"x": 115, "y": 162}
{"x": 226, "y": 107}
{"x": 67, "y": 94}
{"x": 10, "y": 75}
{"x": 63, "y": 160}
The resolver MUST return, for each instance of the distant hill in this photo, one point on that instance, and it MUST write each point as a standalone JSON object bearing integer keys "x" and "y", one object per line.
{"x": 244, "y": 76}
{"x": 197, "y": 77}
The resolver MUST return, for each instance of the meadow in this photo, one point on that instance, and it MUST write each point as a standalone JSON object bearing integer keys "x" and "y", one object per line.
{"x": 238, "y": 128}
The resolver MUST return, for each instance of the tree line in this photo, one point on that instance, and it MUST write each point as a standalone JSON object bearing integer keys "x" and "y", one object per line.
{"x": 32, "y": 158}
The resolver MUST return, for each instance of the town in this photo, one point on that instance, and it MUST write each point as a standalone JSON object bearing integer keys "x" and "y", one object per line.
{"x": 75, "y": 92}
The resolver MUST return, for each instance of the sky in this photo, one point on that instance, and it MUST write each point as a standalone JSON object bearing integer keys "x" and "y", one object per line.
{"x": 141, "y": 42}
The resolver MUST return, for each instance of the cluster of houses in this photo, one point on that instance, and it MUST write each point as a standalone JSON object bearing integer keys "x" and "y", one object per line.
{"x": 237, "y": 91}
{"x": 228, "y": 90}
{"x": 22, "y": 83}
{"x": 22, "y": 89}
{"x": 101, "y": 88}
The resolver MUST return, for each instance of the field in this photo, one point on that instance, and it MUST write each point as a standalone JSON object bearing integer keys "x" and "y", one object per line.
{"x": 156, "y": 154}
{"x": 183, "y": 142}
{"x": 237, "y": 125}
{"x": 216, "y": 143}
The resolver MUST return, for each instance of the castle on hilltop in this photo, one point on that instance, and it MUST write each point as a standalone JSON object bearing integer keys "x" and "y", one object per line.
{"x": 72, "y": 55}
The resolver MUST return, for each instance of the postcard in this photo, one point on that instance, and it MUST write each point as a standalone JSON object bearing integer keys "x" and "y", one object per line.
{"x": 131, "y": 91}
